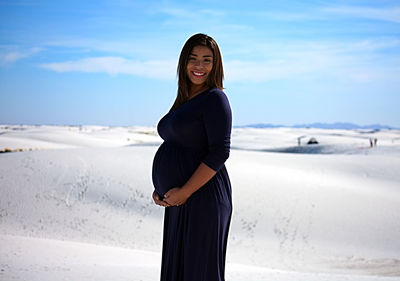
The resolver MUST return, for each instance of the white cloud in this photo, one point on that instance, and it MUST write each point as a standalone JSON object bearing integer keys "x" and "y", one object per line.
{"x": 290, "y": 65}
{"x": 190, "y": 19}
{"x": 11, "y": 56}
{"x": 383, "y": 14}
{"x": 358, "y": 62}
{"x": 390, "y": 14}
{"x": 190, "y": 13}
{"x": 143, "y": 47}
{"x": 164, "y": 70}
{"x": 279, "y": 15}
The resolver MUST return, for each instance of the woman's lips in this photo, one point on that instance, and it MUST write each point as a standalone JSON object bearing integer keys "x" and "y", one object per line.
{"x": 198, "y": 74}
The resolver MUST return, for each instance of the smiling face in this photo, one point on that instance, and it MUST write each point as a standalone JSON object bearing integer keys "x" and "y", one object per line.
{"x": 199, "y": 66}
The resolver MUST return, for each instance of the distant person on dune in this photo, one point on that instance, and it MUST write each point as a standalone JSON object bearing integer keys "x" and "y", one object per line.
{"x": 189, "y": 173}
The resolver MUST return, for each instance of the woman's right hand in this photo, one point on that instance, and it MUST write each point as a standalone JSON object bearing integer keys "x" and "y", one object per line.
{"x": 158, "y": 200}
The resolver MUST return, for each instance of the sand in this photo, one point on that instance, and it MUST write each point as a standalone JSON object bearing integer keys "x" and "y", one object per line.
{"x": 76, "y": 204}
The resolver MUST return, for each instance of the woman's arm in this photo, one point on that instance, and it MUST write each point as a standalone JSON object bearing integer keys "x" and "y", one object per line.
{"x": 179, "y": 195}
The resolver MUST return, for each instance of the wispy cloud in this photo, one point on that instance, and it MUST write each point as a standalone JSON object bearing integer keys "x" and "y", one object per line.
{"x": 359, "y": 62}
{"x": 383, "y": 14}
{"x": 296, "y": 16}
{"x": 253, "y": 61}
{"x": 164, "y": 70}
{"x": 311, "y": 68}
{"x": 145, "y": 48}
{"x": 11, "y": 56}
{"x": 190, "y": 13}
{"x": 389, "y": 14}
{"x": 190, "y": 18}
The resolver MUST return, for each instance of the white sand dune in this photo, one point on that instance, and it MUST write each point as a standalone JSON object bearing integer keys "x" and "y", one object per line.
{"x": 53, "y": 137}
{"x": 79, "y": 208}
{"x": 36, "y": 259}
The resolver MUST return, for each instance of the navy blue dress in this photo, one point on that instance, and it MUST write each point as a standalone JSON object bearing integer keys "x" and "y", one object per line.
{"x": 195, "y": 233}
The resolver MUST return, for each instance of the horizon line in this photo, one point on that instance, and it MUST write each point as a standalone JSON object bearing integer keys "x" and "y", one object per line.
{"x": 317, "y": 125}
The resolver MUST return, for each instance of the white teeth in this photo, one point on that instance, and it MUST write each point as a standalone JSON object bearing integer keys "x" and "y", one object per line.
{"x": 198, "y": 73}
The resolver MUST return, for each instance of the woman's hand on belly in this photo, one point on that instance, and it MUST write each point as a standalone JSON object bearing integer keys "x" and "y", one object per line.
{"x": 179, "y": 195}
{"x": 176, "y": 196}
{"x": 158, "y": 201}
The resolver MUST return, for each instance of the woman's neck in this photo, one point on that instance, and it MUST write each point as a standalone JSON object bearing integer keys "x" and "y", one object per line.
{"x": 196, "y": 89}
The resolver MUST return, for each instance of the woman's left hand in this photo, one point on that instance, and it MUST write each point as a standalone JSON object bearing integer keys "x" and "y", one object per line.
{"x": 176, "y": 196}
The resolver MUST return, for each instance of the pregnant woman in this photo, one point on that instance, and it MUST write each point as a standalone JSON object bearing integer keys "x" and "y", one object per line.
{"x": 189, "y": 173}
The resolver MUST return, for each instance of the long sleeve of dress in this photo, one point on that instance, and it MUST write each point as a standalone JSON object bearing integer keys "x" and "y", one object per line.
{"x": 218, "y": 124}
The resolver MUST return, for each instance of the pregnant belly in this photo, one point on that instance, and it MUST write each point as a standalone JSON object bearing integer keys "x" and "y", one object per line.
{"x": 173, "y": 166}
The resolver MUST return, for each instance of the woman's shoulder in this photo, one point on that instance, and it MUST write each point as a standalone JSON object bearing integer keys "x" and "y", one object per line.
{"x": 216, "y": 91}
{"x": 216, "y": 98}
{"x": 216, "y": 94}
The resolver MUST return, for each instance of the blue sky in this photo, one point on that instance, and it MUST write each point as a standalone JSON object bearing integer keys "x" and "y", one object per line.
{"x": 114, "y": 62}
